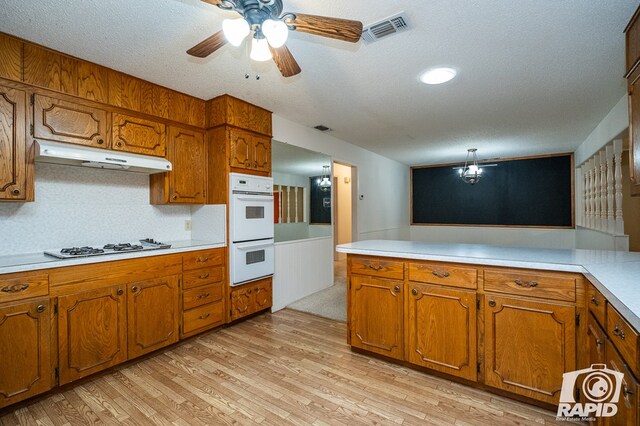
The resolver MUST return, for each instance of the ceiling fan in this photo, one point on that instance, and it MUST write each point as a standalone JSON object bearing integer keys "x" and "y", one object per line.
{"x": 270, "y": 31}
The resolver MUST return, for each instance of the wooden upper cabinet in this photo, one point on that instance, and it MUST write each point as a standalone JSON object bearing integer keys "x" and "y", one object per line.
{"x": 153, "y": 311}
{"x": 376, "y": 317}
{"x": 528, "y": 346}
{"x": 93, "y": 82}
{"x": 186, "y": 109}
{"x": 13, "y": 161}
{"x": 25, "y": 350}
{"x": 64, "y": 121}
{"x": 235, "y": 112}
{"x": 262, "y": 154}
{"x": 138, "y": 135}
{"x": 154, "y": 100}
{"x": 442, "y": 329}
{"x": 632, "y": 33}
{"x": 634, "y": 131}
{"x": 50, "y": 70}
{"x": 92, "y": 332}
{"x": 124, "y": 91}
{"x": 240, "y": 143}
{"x": 10, "y": 58}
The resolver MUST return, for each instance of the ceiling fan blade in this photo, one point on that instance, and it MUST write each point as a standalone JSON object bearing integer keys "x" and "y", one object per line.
{"x": 285, "y": 61}
{"x": 208, "y": 45}
{"x": 213, "y": 2}
{"x": 341, "y": 29}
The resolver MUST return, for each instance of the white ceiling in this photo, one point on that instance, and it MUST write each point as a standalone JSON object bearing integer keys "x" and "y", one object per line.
{"x": 293, "y": 160}
{"x": 535, "y": 76}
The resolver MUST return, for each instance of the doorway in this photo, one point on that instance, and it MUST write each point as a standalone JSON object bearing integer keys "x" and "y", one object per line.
{"x": 344, "y": 202}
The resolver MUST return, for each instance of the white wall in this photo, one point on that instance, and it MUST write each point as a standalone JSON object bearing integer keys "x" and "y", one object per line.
{"x": 342, "y": 206}
{"x": 81, "y": 206}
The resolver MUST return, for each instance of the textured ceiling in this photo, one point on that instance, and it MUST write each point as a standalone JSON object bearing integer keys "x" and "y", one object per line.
{"x": 535, "y": 76}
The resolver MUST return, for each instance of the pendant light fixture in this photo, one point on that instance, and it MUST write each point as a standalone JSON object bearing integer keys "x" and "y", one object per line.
{"x": 325, "y": 181}
{"x": 471, "y": 173}
{"x": 260, "y": 49}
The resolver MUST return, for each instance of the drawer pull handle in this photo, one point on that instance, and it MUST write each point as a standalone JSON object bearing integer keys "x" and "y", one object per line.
{"x": 492, "y": 303}
{"x": 626, "y": 390}
{"x": 202, "y": 259}
{"x": 396, "y": 289}
{"x": 204, "y": 295}
{"x": 203, "y": 276}
{"x": 526, "y": 284}
{"x": 440, "y": 274}
{"x": 15, "y": 288}
{"x": 376, "y": 268}
{"x": 40, "y": 309}
{"x": 594, "y": 300}
{"x": 618, "y": 332}
{"x": 205, "y": 316}
{"x": 16, "y": 191}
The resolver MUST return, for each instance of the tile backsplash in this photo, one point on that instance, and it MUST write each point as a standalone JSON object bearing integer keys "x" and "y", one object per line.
{"x": 79, "y": 206}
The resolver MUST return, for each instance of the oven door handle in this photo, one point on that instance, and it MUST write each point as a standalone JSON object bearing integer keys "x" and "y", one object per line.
{"x": 257, "y": 246}
{"x": 255, "y": 198}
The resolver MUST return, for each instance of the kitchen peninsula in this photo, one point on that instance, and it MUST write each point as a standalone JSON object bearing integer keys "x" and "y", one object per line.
{"x": 508, "y": 319}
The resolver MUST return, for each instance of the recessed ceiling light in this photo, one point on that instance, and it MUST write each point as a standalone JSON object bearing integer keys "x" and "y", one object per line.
{"x": 438, "y": 75}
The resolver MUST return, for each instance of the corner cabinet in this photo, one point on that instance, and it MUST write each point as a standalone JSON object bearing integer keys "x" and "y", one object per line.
{"x": 186, "y": 183}
{"x": 13, "y": 145}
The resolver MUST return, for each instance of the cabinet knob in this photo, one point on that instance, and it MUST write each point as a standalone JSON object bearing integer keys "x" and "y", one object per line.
{"x": 492, "y": 303}
{"x": 119, "y": 143}
{"x": 626, "y": 390}
{"x": 16, "y": 191}
{"x": 594, "y": 300}
{"x": 414, "y": 291}
{"x": 40, "y": 309}
{"x": 618, "y": 332}
{"x": 100, "y": 141}
{"x": 120, "y": 292}
{"x": 134, "y": 289}
{"x": 174, "y": 197}
{"x": 397, "y": 289}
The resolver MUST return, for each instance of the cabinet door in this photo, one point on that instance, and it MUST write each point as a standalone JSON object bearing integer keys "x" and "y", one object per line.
{"x": 442, "y": 329}
{"x": 528, "y": 346}
{"x": 251, "y": 298}
{"x": 596, "y": 339}
{"x": 92, "y": 332}
{"x": 139, "y": 136}
{"x": 13, "y": 163}
{"x": 376, "y": 315}
{"x": 261, "y": 147}
{"x": 152, "y": 315}
{"x": 634, "y": 131}
{"x": 629, "y": 401}
{"x": 64, "y": 121}
{"x": 240, "y": 149}
{"x": 241, "y": 304}
{"x": 187, "y": 181}
{"x": 262, "y": 296}
{"x": 25, "y": 350}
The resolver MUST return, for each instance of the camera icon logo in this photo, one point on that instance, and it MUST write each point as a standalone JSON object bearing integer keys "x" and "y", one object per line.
{"x": 601, "y": 388}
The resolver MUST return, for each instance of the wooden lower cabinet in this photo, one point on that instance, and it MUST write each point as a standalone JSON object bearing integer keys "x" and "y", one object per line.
{"x": 376, "y": 315}
{"x": 153, "y": 311}
{"x": 250, "y": 298}
{"x": 25, "y": 350}
{"x": 441, "y": 329}
{"x": 528, "y": 346}
{"x": 629, "y": 402}
{"x": 596, "y": 340}
{"x": 92, "y": 332}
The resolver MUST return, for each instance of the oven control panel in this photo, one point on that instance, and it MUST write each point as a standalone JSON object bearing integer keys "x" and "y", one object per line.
{"x": 249, "y": 183}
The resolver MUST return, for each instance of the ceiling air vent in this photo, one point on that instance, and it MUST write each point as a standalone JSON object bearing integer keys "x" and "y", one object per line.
{"x": 322, "y": 128}
{"x": 392, "y": 25}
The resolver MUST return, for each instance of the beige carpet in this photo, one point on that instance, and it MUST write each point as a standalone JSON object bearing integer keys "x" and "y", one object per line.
{"x": 330, "y": 302}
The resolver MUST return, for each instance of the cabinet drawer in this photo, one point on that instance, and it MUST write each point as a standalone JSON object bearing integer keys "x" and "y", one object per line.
{"x": 444, "y": 274}
{"x": 377, "y": 267}
{"x": 203, "y": 317}
{"x": 201, "y": 296}
{"x": 23, "y": 286}
{"x": 203, "y": 276}
{"x": 596, "y": 302}
{"x": 202, "y": 259}
{"x": 532, "y": 284}
{"x": 624, "y": 338}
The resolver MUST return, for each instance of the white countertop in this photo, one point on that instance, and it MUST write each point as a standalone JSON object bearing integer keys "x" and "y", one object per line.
{"x": 616, "y": 274}
{"x": 36, "y": 261}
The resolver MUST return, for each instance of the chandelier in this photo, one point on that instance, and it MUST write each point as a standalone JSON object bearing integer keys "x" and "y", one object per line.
{"x": 471, "y": 173}
{"x": 325, "y": 180}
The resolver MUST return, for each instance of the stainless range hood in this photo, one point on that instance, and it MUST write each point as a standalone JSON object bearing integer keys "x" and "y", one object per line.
{"x": 75, "y": 155}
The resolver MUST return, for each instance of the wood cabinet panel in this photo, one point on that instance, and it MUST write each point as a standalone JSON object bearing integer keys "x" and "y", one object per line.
{"x": 240, "y": 147}
{"x": 64, "y": 121}
{"x": 250, "y": 298}
{"x": 25, "y": 350}
{"x": 13, "y": 145}
{"x": 544, "y": 285}
{"x": 203, "y": 318}
{"x": 22, "y": 285}
{"x": 625, "y": 339}
{"x": 203, "y": 259}
{"x": 153, "y": 309}
{"x": 154, "y": 99}
{"x": 633, "y": 88}
{"x": 10, "y": 58}
{"x": 596, "y": 341}
{"x": 238, "y": 113}
{"x": 442, "y": 329}
{"x": 528, "y": 346}
{"x": 597, "y": 304}
{"x": 629, "y": 403}
{"x": 376, "y": 317}
{"x": 444, "y": 274}
{"x": 124, "y": 91}
{"x": 377, "y": 267}
{"x": 140, "y": 136}
{"x": 203, "y": 276}
{"x": 201, "y": 296}
{"x": 262, "y": 154}
{"x": 186, "y": 109}
{"x": 92, "y": 332}
{"x": 50, "y": 70}
{"x": 632, "y": 34}
{"x": 93, "y": 82}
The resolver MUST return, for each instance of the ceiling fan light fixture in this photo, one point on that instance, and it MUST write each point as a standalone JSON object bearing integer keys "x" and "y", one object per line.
{"x": 438, "y": 75}
{"x": 276, "y": 32}
{"x": 235, "y": 30}
{"x": 260, "y": 50}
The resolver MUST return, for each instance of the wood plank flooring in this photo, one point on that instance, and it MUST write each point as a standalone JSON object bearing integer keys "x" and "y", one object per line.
{"x": 275, "y": 369}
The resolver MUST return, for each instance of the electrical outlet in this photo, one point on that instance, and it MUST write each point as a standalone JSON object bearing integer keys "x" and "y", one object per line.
{"x": 187, "y": 225}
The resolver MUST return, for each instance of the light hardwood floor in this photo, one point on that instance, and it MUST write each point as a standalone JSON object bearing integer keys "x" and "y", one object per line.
{"x": 282, "y": 368}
